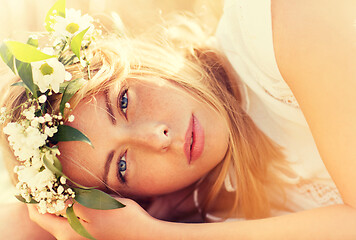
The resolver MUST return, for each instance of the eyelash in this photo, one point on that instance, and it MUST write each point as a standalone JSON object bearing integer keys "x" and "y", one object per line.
{"x": 120, "y": 101}
{"x": 122, "y": 173}
{"x": 119, "y": 172}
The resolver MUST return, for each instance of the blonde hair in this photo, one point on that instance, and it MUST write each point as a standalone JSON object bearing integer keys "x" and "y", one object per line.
{"x": 178, "y": 52}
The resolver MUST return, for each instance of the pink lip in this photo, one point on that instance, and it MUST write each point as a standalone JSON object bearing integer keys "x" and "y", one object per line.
{"x": 194, "y": 151}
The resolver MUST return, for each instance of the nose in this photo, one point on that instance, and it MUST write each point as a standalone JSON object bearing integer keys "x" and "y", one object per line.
{"x": 153, "y": 135}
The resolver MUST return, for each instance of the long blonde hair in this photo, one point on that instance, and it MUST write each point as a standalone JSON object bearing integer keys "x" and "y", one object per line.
{"x": 179, "y": 52}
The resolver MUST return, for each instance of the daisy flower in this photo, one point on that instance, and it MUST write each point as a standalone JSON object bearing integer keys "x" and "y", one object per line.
{"x": 48, "y": 74}
{"x": 72, "y": 24}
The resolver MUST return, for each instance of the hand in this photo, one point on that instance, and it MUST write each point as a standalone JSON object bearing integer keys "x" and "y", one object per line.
{"x": 130, "y": 222}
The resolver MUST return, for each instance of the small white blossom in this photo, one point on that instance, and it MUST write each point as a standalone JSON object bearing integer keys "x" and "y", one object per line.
{"x": 37, "y": 181}
{"x": 67, "y": 76}
{"x": 50, "y": 131}
{"x": 41, "y": 120}
{"x": 29, "y": 113}
{"x": 59, "y": 206}
{"x": 37, "y": 160}
{"x": 67, "y": 105}
{"x": 42, "y": 207}
{"x": 60, "y": 189}
{"x": 47, "y": 117}
{"x": 34, "y": 122}
{"x": 42, "y": 98}
{"x": 71, "y": 118}
{"x": 48, "y": 74}
{"x": 63, "y": 180}
{"x": 3, "y": 110}
{"x": 25, "y": 141}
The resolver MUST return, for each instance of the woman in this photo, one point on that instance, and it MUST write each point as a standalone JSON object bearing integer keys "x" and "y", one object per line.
{"x": 245, "y": 170}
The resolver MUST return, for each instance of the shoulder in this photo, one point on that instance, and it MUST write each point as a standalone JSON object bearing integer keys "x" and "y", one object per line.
{"x": 310, "y": 36}
{"x": 315, "y": 49}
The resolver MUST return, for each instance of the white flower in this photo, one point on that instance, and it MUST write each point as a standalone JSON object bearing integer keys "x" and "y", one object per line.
{"x": 41, "y": 120}
{"x": 42, "y": 98}
{"x": 71, "y": 118}
{"x": 67, "y": 105}
{"x": 50, "y": 131}
{"x": 3, "y": 110}
{"x": 34, "y": 122}
{"x": 47, "y": 117}
{"x": 67, "y": 76}
{"x": 48, "y": 74}
{"x": 59, "y": 206}
{"x": 60, "y": 189}
{"x": 29, "y": 113}
{"x": 25, "y": 140}
{"x": 36, "y": 180}
{"x": 72, "y": 24}
{"x": 42, "y": 207}
{"x": 63, "y": 180}
{"x": 37, "y": 161}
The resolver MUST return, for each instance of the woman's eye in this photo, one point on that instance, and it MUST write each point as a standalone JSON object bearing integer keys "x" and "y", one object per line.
{"x": 122, "y": 168}
{"x": 124, "y": 101}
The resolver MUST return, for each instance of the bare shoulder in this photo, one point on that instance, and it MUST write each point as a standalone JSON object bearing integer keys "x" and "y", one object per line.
{"x": 312, "y": 35}
{"x": 315, "y": 47}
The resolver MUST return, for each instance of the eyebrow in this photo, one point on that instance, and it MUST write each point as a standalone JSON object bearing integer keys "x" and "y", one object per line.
{"x": 109, "y": 108}
{"x": 107, "y": 167}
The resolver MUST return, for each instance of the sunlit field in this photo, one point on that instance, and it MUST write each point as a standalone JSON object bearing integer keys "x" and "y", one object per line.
{"x": 18, "y": 17}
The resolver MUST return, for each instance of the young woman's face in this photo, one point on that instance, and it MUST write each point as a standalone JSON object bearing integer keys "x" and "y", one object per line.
{"x": 152, "y": 138}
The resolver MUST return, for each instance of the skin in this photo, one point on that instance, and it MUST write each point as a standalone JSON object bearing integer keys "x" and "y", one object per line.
{"x": 314, "y": 60}
{"x": 152, "y": 134}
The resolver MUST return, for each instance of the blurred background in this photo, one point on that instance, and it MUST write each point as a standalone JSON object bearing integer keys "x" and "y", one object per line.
{"x": 18, "y": 17}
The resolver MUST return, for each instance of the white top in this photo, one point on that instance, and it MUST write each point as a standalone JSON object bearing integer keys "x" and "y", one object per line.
{"x": 245, "y": 36}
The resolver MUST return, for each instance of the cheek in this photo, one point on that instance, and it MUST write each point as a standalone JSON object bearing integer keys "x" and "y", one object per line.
{"x": 151, "y": 178}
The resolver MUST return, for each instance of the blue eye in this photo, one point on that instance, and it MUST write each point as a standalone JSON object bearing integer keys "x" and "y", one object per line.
{"x": 124, "y": 101}
{"x": 122, "y": 168}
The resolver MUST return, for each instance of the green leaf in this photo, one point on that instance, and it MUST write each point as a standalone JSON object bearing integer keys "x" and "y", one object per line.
{"x": 76, "y": 42}
{"x": 62, "y": 86}
{"x": 21, "y": 199}
{"x": 58, "y": 9}
{"x": 67, "y": 133}
{"x": 7, "y": 56}
{"x": 96, "y": 199}
{"x": 76, "y": 225}
{"x": 69, "y": 91}
{"x": 33, "y": 41}
{"x": 25, "y": 72}
{"x": 54, "y": 167}
{"x": 18, "y": 84}
{"x": 57, "y": 164}
{"x": 25, "y": 52}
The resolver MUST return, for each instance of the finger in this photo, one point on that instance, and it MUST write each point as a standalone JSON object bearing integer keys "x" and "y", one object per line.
{"x": 85, "y": 212}
{"x": 95, "y": 216}
{"x": 55, "y": 225}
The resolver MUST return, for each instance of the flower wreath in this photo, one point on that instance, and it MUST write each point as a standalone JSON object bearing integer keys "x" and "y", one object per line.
{"x": 34, "y": 135}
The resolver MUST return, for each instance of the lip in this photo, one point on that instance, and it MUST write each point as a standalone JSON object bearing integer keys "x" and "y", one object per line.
{"x": 196, "y": 130}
